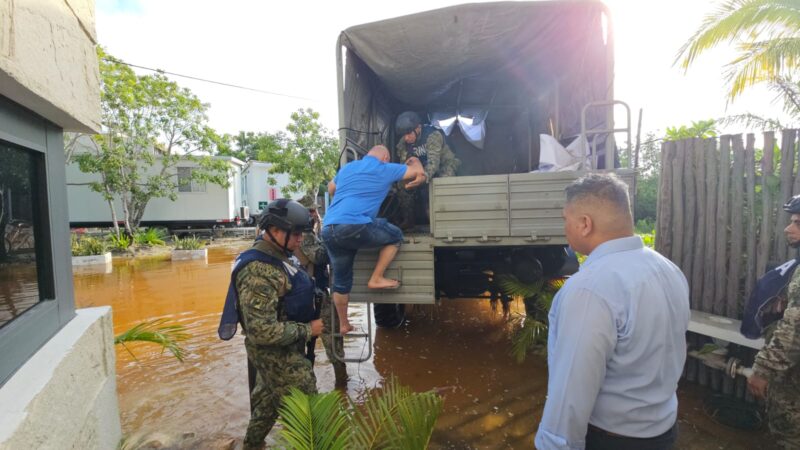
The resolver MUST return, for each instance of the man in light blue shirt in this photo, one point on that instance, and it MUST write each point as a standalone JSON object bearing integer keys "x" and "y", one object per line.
{"x": 351, "y": 222}
{"x": 617, "y": 338}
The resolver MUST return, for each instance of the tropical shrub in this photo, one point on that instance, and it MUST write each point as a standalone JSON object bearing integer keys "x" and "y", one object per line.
{"x": 119, "y": 243}
{"x": 150, "y": 236}
{"x": 87, "y": 246}
{"x": 188, "y": 243}
{"x": 531, "y": 328}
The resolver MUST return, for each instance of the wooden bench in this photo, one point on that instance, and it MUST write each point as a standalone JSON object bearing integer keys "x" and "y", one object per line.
{"x": 722, "y": 328}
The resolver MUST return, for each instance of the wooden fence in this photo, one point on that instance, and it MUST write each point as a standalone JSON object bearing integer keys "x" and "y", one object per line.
{"x": 720, "y": 220}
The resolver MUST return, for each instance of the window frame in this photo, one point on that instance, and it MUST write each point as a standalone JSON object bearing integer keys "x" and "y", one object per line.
{"x": 194, "y": 185}
{"x": 25, "y": 334}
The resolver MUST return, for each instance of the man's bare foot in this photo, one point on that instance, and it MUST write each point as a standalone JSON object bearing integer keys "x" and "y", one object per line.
{"x": 345, "y": 328}
{"x": 383, "y": 283}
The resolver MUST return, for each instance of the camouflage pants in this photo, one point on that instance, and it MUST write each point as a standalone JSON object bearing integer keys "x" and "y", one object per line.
{"x": 277, "y": 370}
{"x": 783, "y": 412}
{"x": 330, "y": 343}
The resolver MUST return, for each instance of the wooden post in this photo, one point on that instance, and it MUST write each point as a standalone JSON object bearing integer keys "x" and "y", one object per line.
{"x": 699, "y": 153}
{"x": 664, "y": 229}
{"x": 677, "y": 202}
{"x": 737, "y": 221}
{"x": 752, "y": 229}
{"x": 765, "y": 239}
{"x": 721, "y": 230}
{"x": 709, "y": 259}
{"x": 786, "y": 183}
{"x": 690, "y": 212}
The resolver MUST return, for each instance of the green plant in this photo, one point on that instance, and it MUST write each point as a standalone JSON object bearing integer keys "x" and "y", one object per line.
{"x": 150, "y": 236}
{"x": 188, "y": 243}
{"x": 531, "y": 333}
{"x": 157, "y": 331}
{"x": 393, "y": 417}
{"x": 87, "y": 246}
{"x": 120, "y": 243}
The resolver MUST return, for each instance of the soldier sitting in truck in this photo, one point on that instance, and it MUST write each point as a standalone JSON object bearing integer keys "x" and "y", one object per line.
{"x": 427, "y": 143}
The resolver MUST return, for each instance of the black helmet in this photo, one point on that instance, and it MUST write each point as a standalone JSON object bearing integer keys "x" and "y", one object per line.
{"x": 406, "y": 122}
{"x": 287, "y": 215}
{"x": 793, "y": 205}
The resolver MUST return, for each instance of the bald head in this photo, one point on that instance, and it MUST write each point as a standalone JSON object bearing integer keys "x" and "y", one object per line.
{"x": 597, "y": 210}
{"x": 380, "y": 152}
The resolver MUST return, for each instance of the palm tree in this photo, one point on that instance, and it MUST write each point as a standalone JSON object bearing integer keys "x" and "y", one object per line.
{"x": 767, "y": 36}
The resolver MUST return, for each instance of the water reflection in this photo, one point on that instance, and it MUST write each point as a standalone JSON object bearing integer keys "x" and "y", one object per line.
{"x": 459, "y": 349}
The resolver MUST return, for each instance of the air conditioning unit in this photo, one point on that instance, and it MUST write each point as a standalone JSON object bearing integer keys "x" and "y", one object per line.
{"x": 244, "y": 212}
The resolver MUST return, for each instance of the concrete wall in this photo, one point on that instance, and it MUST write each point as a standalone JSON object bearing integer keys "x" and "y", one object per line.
{"x": 48, "y": 62}
{"x": 65, "y": 396}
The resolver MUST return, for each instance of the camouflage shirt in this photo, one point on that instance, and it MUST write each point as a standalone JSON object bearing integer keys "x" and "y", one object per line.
{"x": 780, "y": 356}
{"x": 311, "y": 252}
{"x": 441, "y": 162}
{"x": 260, "y": 287}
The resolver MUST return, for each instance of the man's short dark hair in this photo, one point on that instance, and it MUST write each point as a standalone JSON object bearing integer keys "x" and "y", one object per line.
{"x": 604, "y": 187}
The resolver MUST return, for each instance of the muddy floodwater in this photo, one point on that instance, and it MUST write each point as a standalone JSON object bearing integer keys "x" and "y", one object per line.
{"x": 460, "y": 348}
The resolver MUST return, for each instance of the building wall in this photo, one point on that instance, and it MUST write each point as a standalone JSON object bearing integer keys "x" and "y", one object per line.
{"x": 48, "y": 61}
{"x": 57, "y": 367}
{"x": 65, "y": 396}
{"x": 87, "y": 206}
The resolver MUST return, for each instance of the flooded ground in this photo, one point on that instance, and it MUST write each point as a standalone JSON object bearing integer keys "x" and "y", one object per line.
{"x": 461, "y": 348}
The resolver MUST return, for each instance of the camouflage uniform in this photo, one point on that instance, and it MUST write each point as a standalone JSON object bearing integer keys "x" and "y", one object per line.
{"x": 275, "y": 346}
{"x": 312, "y": 252}
{"x": 438, "y": 160}
{"x": 778, "y": 363}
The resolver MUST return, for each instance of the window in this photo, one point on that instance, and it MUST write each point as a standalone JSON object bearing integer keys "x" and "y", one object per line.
{"x": 23, "y": 273}
{"x": 185, "y": 182}
{"x": 36, "y": 297}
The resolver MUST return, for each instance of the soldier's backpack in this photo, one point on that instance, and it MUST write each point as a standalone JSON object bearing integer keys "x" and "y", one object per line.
{"x": 758, "y": 313}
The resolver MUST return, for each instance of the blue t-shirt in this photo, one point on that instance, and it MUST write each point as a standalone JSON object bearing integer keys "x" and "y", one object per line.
{"x": 361, "y": 187}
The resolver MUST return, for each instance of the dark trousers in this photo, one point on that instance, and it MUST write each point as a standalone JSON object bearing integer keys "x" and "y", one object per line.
{"x": 599, "y": 439}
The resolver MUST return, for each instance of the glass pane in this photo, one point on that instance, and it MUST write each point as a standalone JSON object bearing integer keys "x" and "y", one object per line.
{"x": 19, "y": 273}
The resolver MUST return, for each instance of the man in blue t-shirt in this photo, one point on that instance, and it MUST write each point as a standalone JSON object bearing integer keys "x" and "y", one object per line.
{"x": 351, "y": 223}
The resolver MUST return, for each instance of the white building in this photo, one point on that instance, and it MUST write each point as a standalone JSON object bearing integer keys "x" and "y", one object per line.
{"x": 257, "y": 191}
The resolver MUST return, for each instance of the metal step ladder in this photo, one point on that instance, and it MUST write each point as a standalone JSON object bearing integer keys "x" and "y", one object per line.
{"x": 368, "y": 336}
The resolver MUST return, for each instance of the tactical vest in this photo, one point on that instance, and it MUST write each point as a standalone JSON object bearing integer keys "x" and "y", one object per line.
{"x": 419, "y": 149}
{"x": 766, "y": 292}
{"x": 298, "y": 303}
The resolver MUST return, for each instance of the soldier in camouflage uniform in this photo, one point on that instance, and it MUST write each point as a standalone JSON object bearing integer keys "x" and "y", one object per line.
{"x": 776, "y": 365}
{"x": 427, "y": 143}
{"x": 313, "y": 256}
{"x": 275, "y": 346}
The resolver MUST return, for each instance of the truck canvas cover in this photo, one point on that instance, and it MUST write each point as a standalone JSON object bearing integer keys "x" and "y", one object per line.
{"x": 507, "y": 59}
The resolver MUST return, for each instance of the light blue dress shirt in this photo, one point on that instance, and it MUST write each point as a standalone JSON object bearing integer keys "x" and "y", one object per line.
{"x": 616, "y": 346}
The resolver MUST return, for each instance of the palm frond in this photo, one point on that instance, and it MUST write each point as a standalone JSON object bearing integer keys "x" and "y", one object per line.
{"x": 512, "y": 286}
{"x": 737, "y": 18}
{"x": 372, "y": 420}
{"x": 532, "y": 333}
{"x": 157, "y": 331}
{"x": 416, "y": 418}
{"x": 313, "y": 422}
{"x": 751, "y": 121}
{"x": 762, "y": 61}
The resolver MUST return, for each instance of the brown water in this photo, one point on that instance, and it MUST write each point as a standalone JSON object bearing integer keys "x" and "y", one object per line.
{"x": 460, "y": 348}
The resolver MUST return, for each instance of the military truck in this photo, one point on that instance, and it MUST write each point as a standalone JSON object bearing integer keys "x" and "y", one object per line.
{"x": 498, "y": 75}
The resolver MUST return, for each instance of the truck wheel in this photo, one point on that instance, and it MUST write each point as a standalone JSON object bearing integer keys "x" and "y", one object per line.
{"x": 389, "y": 315}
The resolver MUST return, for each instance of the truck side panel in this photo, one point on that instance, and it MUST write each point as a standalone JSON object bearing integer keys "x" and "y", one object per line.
{"x": 413, "y": 266}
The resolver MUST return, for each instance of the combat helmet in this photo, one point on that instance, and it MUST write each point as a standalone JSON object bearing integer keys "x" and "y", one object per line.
{"x": 406, "y": 122}
{"x": 793, "y": 205}
{"x": 287, "y": 215}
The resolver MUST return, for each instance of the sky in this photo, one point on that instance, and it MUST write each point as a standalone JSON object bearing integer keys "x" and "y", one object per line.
{"x": 288, "y": 47}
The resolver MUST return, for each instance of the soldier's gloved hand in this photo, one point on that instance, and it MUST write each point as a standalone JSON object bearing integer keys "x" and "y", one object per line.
{"x": 316, "y": 327}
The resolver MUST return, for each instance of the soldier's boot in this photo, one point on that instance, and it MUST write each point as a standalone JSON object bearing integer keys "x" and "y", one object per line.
{"x": 340, "y": 373}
